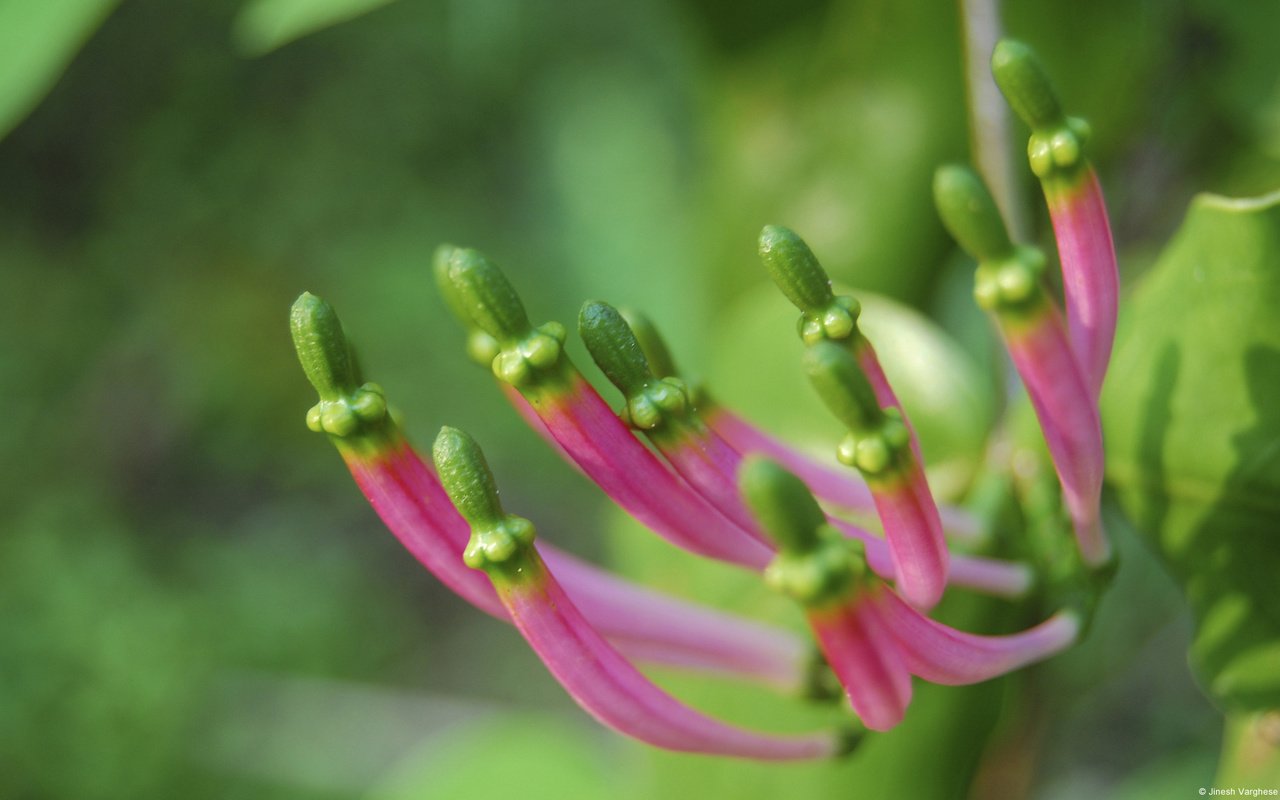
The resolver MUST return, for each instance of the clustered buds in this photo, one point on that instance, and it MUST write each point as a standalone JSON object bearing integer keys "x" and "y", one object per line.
{"x": 713, "y": 483}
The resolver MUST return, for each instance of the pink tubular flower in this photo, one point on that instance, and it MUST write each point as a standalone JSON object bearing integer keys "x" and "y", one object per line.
{"x": 409, "y": 498}
{"x": 872, "y": 639}
{"x": 595, "y": 674}
{"x": 1056, "y": 152}
{"x": 1010, "y": 287}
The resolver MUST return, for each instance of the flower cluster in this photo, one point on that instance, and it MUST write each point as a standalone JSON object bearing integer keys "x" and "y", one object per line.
{"x": 712, "y": 483}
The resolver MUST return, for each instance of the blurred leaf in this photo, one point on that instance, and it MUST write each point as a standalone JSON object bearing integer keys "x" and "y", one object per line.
{"x": 1192, "y": 419}
{"x": 264, "y": 25}
{"x": 37, "y": 42}
{"x": 534, "y": 758}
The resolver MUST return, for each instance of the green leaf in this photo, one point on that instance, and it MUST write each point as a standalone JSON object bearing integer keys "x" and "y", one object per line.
{"x": 265, "y": 25}
{"x": 37, "y": 42}
{"x": 1191, "y": 414}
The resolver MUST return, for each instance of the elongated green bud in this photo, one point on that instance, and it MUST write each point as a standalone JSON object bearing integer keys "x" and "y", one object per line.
{"x": 614, "y": 347}
{"x": 879, "y": 442}
{"x": 805, "y": 283}
{"x": 651, "y": 401}
{"x": 1024, "y": 82}
{"x": 322, "y": 347}
{"x": 784, "y": 506}
{"x": 525, "y": 353}
{"x": 795, "y": 269}
{"x": 347, "y": 407}
{"x": 969, "y": 212}
{"x": 1056, "y": 148}
{"x": 482, "y": 348}
{"x": 1009, "y": 280}
{"x": 843, "y": 386}
{"x": 498, "y": 540}
{"x": 815, "y": 565}
{"x": 483, "y": 293}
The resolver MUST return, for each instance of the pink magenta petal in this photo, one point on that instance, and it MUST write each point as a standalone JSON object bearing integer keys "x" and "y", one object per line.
{"x": 609, "y": 688}
{"x": 839, "y": 487}
{"x": 940, "y": 654}
{"x": 1090, "y": 281}
{"x": 648, "y": 625}
{"x": 607, "y": 451}
{"x": 885, "y": 396}
{"x": 710, "y": 466}
{"x": 411, "y": 502}
{"x": 1068, "y": 416}
{"x": 660, "y": 629}
{"x": 914, "y": 533}
{"x": 866, "y": 660}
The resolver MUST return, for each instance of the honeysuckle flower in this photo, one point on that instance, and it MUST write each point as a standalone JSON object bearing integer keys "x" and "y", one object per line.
{"x": 1010, "y": 286}
{"x": 873, "y": 640}
{"x": 718, "y": 486}
{"x": 599, "y": 678}
{"x": 1056, "y": 151}
{"x": 409, "y": 498}
{"x": 881, "y": 443}
{"x": 692, "y": 506}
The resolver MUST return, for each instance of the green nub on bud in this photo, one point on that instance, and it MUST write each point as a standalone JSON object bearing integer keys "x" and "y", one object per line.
{"x": 795, "y": 269}
{"x": 348, "y": 408}
{"x": 1009, "y": 280}
{"x": 1056, "y": 148}
{"x": 1025, "y": 84}
{"x": 482, "y": 348}
{"x": 806, "y": 284}
{"x": 815, "y": 565}
{"x": 879, "y": 442}
{"x": 500, "y": 542}
{"x": 970, "y": 214}
{"x": 525, "y": 353}
{"x": 650, "y": 401}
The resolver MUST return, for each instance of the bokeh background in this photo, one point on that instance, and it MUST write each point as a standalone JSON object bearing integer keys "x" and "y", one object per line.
{"x": 196, "y": 602}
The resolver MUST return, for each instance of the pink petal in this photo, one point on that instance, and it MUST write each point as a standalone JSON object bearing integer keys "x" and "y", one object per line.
{"x": 406, "y": 494}
{"x": 609, "y": 688}
{"x": 940, "y": 654}
{"x": 607, "y": 451}
{"x": 1068, "y": 416}
{"x": 1090, "y": 280}
{"x": 866, "y": 660}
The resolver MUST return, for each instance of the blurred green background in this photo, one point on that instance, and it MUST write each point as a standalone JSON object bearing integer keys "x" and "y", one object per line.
{"x": 196, "y": 602}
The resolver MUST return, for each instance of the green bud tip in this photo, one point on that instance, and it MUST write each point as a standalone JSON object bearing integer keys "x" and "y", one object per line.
{"x": 651, "y": 343}
{"x": 815, "y": 564}
{"x": 843, "y": 386}
{"x": 782, "y": 503}
{"x": 794, "y": 269}
{"x": 970, "y": 214}
{"x": 484, "y": 295}
{"x": 347, "y": 405}
{"x": 614, "y": 347}
{"x": 322, "y": 347}
{"x": 496, "y": 537}
{"x": 1025, "y": 84}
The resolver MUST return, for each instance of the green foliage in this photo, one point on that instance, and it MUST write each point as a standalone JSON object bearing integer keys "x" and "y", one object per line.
{"x": 264, "y": 25}
{"x": 1193, "y": 435}
{"x": 37, "y": 41}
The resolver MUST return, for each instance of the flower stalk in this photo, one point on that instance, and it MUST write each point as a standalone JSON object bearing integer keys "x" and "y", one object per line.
{"x": 1010, "y": 287}
{"x": 1056, "y": 152}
